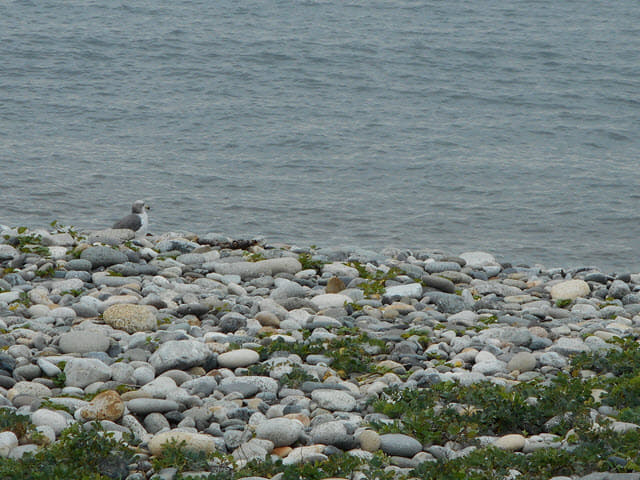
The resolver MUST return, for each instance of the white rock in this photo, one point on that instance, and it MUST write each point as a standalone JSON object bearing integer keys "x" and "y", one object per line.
{"x": 8, "y": 441}
{"x": 281, "y": 431}
{"x": 238, "y": 358}
{"x": 570, "y": 290}
{"x": 478, "y": 259}
{"x": 412, "y": 290}
{"x": 512, "y": 442}
{"x": 56, "y": 420}
{"x": 329, "y": 300}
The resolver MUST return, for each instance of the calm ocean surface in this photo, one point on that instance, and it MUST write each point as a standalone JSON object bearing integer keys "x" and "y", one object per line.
{"x": 506, "y": 126}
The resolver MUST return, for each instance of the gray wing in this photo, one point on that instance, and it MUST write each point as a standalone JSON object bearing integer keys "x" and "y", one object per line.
{"x": 132, "y": 222}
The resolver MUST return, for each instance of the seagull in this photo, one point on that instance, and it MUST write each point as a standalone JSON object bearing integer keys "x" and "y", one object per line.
{"x": 138, "y": 220}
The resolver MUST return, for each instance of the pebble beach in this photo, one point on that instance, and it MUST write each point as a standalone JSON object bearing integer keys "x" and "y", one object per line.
{"x": 255, "y": 352}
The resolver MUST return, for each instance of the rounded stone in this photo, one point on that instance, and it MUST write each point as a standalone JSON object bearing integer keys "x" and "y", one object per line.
{"x": 238, "y": 358}
{"x": 53, "y": 419}
{"x": 31, "y": 389}
{"x": 131, "y": 318}
{"x": 105, "y": 406}
{"x": 83, "y": 342}
{"x": 512, "y": 442}
{"x": 329, "y": 300}
{"x": 8, "y": 441}
{"x": 369, "y": 440}
{"x": 268, "y": 319}
{"x": 522, "y": 361}
{"x": 193, "y": 442}
{"x": 180, "y": 354}
{"x": 398, "y": 444}
{"x": 103, "y": 256}
{"x": 570, "y": 290}
{"x": 334, "y": 400}
{"x": 334, "y": 285}
{"x": 280, "y": 431}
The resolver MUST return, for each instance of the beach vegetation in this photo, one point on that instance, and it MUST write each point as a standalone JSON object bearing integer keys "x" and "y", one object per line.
{"x": 375, "y": 281}
{"x": 308, "y": 262}
{"x": 79, "y": 453}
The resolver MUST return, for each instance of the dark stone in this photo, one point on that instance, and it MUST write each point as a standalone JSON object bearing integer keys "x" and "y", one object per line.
{"x": 7, "y": 362}
{"x": 247, "y": 390}
{"x": 114, "y": 467}
{"x": 596, "y": 277}
{"x": 197, "y": 309}
{"x": 439, "y": 283}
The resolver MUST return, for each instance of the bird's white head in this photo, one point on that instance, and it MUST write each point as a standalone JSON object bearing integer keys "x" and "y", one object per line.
{"x": 139, "y": 207}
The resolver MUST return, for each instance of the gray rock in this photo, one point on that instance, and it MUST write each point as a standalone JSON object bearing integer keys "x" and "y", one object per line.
{"x": 83, "y": 341}
{"x": 145, "y": 406}
{"x": 522, "y": 362}
{"x": 445, "y": 302}
{"x": 79, "y": 264}
{"x": 103, "y": 256}
{"x": 255, "y": 269}
{"x": 334, "y": 400}
{"x": 437, "y": 267}
{"x": 333, "y": 433}
{"x": 569, "y": 346}
{"x": 400, "y": 445}
{"x": 180, "y": 354}
{"x": 130, "y": 269}
{"x": 280, "y": 431}
{"x": 439, "y": 283}
{"x": 619, "y": 289}
{"x": 81, "y": 372}
{"x": 232, "y": 321}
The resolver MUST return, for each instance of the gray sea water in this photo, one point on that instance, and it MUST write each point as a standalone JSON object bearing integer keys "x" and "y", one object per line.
{"x": 506, "y": 126}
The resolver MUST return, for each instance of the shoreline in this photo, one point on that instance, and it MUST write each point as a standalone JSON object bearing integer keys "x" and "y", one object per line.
{"x": 264, "y": 358}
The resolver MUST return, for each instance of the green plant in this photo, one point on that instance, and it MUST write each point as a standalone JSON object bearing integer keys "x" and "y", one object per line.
{"x": 563, "y": 302}
{"x": 60, "y": 228}
{"x": 308, "y": 262}
{"x": 375, "y": 281}
{"x": 84, "y": 454}
{"x": 254, "y": 257}
{"x": 46, "y": 273}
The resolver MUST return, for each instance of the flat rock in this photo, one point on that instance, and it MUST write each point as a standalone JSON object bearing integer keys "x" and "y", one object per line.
{"x": 144, "y": 406}
{"x": 103, "y": 256}
{"x": 334, "y": 400}
{"x": 255, "y": 269}
{"x": 478, "y": 259}
{"x": 330, "y": 300}
{"x": 193, "y": 442}
{"x": 111, "y": 236}
{"x": 411, "y": 290}
{"x": 79, "y": 341}
{"x": 131, "y": 318}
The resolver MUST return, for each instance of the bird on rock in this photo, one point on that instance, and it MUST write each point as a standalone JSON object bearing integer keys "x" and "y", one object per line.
{"x": 137, "y": 220}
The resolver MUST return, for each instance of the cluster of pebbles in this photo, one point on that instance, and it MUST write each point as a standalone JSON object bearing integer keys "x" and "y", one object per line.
{"x": 178, "y": 319}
